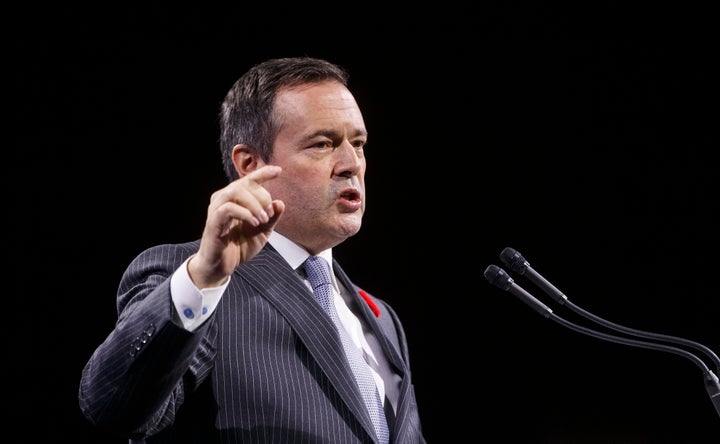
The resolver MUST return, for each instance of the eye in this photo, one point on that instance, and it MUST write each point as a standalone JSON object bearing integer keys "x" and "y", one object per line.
{"x": 322, "y": 144}
{"x": 359, "y": 144}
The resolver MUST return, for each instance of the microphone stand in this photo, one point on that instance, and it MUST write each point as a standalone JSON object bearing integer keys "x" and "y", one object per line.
{"x": 499, "y": 278}
{"x": 517, "y": 263}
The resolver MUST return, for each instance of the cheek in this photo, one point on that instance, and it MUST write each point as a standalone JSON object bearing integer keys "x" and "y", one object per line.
{"x": 289, "y": 186}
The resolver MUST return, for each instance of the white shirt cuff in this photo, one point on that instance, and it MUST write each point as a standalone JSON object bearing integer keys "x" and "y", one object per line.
{"x": 194, "y": 306}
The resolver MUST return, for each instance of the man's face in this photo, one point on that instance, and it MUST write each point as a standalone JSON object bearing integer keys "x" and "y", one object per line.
{"x": 320, "y": 149}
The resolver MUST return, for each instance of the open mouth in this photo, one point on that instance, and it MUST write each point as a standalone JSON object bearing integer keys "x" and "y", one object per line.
{"x": 350, "y": 194}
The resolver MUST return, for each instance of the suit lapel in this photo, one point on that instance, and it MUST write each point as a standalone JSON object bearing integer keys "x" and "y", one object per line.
{"x": 389, "y": 348}
{"x": 284, "y": 289}
{"x": 393, "y": 352}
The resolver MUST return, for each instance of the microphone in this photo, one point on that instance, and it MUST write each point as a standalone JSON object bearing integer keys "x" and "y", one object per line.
{"x": 517, "y": 263}
{"x": 499, "y": 278}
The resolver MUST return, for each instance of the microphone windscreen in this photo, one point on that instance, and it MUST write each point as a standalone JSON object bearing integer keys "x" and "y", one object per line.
{"x": 514, "y": 260}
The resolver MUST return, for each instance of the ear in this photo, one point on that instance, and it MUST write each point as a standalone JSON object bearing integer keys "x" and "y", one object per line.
{"x": 244, "y": 160}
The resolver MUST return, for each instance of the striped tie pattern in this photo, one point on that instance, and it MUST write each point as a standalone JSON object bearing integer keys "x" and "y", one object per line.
{"x": 318, "y": 273}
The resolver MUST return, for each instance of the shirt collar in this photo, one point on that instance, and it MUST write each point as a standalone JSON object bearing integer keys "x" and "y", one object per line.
{"x": 294, "y": 254}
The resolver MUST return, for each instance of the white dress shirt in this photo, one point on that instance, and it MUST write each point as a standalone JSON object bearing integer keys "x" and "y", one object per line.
{"x": 194, "y": 306}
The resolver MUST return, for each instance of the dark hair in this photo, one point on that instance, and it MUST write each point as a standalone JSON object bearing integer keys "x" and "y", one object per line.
{"x": 246, "y": 114}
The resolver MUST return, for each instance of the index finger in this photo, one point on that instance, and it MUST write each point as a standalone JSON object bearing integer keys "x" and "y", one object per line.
{"x": 264, "y": 173}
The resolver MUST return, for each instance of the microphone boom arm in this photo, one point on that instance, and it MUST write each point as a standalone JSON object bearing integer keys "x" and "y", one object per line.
{"x": 499, "y": 278}
{"x": 517, "y": 263}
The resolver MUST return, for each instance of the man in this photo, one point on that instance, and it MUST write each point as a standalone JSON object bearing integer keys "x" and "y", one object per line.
{"x": 222, "y": 339}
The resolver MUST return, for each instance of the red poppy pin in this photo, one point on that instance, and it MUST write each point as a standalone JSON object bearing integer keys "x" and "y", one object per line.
{"x": 370, "y": 303}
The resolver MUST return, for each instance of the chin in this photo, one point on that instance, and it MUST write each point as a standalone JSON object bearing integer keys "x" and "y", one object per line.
{"x": 349, "y": 226}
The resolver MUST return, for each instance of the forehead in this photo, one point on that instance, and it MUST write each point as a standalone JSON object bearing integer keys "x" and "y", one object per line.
{"x": 317, "y": 101}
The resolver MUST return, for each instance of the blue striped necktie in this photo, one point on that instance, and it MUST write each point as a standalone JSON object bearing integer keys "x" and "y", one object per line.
{"x": 318, "y": 273}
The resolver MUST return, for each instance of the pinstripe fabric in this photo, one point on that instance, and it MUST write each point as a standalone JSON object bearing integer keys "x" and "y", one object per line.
{"x": 320, "y": 277}
{"x": 266, "y": 367}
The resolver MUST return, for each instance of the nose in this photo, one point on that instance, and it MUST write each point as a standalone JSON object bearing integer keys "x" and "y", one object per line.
{"x": 350, "y": 160}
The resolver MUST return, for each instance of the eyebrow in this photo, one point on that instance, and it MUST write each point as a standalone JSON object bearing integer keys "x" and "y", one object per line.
{"x": 332, "y": 134}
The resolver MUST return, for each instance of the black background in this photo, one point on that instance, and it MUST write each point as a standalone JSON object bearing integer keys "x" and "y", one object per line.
{"x": 585, "y": 138}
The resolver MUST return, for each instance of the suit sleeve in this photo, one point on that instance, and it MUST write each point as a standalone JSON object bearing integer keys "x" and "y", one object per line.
{"x": 138, "y": 377}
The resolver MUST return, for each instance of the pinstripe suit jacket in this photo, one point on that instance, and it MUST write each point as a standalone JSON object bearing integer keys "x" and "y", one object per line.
{"x": 268, "y": 366}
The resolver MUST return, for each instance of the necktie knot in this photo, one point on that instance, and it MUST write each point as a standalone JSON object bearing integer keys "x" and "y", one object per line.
{"x": 318, "y": 271}
{"x": 318, "y": 274}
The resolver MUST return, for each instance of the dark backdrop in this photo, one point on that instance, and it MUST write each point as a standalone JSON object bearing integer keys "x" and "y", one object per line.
{"x": 585, "y": 139}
